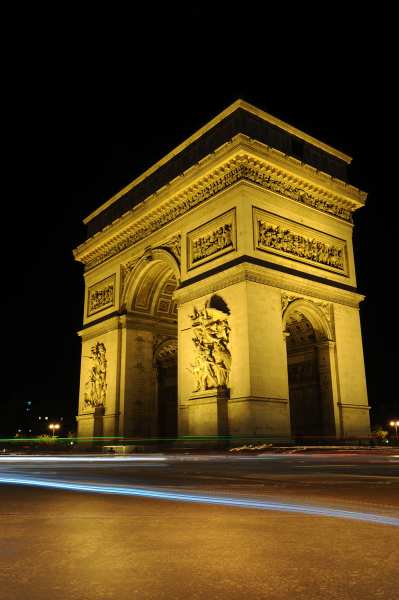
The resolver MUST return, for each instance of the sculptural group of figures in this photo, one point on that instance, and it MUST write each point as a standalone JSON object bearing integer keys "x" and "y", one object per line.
{"x": 212, "y": 364}
{"x": 274, "y": 236}
{"x": 102, "y": 297}
{"x": 96, "y": 387}
{"x": 213, "y": 242}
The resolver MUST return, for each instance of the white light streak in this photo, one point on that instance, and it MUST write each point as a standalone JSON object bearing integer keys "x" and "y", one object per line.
{"x": 80, "y": 459}
{"x": 318, "y": 511}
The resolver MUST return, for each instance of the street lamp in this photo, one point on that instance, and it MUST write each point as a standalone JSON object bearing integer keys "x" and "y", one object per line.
{"x": 396, "y": 425}
{"x": 53, "y": 427}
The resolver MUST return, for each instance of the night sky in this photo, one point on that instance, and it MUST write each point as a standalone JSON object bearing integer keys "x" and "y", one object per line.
{"x": 90, "y": 104}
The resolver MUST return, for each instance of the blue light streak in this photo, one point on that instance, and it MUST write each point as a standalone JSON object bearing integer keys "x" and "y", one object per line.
{"x": 202, "y": 499}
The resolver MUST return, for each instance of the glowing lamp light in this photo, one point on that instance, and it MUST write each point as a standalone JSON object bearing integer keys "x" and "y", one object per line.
{"x": 54, "y": 427}
{"x": 395, "y": 424}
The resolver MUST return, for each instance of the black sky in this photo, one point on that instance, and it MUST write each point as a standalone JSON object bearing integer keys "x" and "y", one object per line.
{"x": 92, "y": 101}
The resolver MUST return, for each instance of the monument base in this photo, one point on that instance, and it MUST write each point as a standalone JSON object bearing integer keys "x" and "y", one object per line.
{"x": 91, "y": 424}
{"x": 264, "y": 417}
{"x": 205, "y": 414}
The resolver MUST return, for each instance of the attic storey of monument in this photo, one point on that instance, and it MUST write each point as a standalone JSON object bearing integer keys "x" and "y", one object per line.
{"x": 221, "y": 284}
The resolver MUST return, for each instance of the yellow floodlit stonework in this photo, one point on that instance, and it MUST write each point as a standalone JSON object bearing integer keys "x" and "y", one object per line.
{"x": 221, "y": 284}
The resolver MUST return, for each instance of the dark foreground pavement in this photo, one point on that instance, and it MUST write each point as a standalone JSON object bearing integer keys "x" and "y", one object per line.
{"x": 83, "y": 546}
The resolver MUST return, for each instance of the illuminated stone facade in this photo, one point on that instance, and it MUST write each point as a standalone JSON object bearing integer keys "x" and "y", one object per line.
{"x": 221, "y": 291}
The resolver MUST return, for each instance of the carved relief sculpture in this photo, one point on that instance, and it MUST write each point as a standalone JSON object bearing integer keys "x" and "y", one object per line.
{"x": 96, "y": 386}
{"x": 101, "y": 295}
{"x": 174, "y": 245}
{"x": 325, "y": 307}
{"x": 274, "y": 236}
{"x": 279, "y": 235}
{"x": 212, "y": 243}
{"x": 211, "y": 240}
{"x": 126, "y": 269}
{"x": 211, "y": 333}
{"x": 242, "y": 167}
{"x": 286, "y": 299}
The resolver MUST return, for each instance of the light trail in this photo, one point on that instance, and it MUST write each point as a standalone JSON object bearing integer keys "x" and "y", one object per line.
{"x": 145, "y": 458}
{"x": 202, "y": 499}
{"x": 7, "y": 458}
{"x": 80, "y": 459}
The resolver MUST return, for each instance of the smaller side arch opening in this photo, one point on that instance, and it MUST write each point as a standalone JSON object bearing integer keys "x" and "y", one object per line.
{"x": 150, "y": 387}
{"x": 309, "y": 339}
{"x": 165, "y": 362}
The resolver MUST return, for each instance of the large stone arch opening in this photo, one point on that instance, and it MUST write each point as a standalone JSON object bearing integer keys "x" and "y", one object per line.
{"x": 151, "y": 346}
{"x": 310, "y": 371}
{"x": 165, "y": 364}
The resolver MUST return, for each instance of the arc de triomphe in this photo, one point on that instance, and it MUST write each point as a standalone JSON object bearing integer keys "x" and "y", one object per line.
{"x": 220, "y": 291}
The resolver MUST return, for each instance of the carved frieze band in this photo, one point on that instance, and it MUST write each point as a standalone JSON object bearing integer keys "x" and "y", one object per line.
{"x": 240, "y": 168}
{"x": 283, "y": 237}
{"x": 101, "y": 295}
{"x": 269, "y": 278}
{"x": 213, "y": 239}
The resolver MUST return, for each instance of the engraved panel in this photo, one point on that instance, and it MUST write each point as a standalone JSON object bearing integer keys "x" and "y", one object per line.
{"x": 101, "y": 295}
{"x": 96, "y": 385}
{"x": 174, "y": 245}
{"x": 166, "y": 306}
{"x": 163, "y": 305}
{"x": 211, "y": 336}
{"x": 211, "y": 240}
{"x": 298, "y": 242}
{"x": 241, "y": 167}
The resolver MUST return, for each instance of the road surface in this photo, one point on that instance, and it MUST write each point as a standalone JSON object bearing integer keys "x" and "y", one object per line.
{"x": 285, "y": 526}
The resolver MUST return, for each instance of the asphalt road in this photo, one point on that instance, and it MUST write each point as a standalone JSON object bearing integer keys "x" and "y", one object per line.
{"x": 88, "y": 545}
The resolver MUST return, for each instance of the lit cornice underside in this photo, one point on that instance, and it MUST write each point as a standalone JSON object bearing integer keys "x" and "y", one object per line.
{"x": 239, "y": 117}
{"x": 238, "y": 104}
{"x": 240, "y": 160}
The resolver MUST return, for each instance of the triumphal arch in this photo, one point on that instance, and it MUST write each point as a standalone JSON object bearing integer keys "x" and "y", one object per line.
{"x": 220, "y": 291}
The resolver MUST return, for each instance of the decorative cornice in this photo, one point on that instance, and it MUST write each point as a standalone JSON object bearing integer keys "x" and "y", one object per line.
{"x": 242, "y": 167}
{"x": 248, "y": 272}
{"x": 238, "y": 104}
{"x": 356, "y": 406}
{"x": 109, "y": 323}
